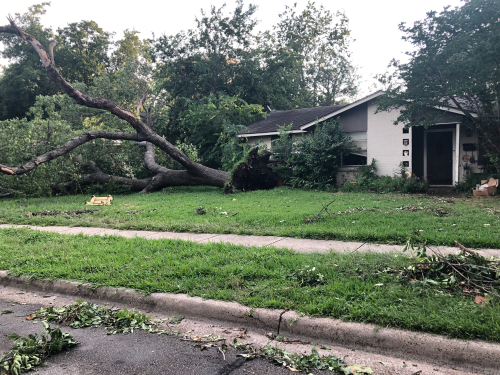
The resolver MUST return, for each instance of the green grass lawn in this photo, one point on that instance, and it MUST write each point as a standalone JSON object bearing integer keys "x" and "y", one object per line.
{"x": 354, "y": 287}
{"x": 382, "y": 218}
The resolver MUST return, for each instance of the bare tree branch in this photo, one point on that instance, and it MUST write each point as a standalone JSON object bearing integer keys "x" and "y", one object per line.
{"x": 51, "y": 51}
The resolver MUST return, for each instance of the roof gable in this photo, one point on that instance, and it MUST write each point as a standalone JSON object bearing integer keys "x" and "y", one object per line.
{"x": 296, "y": 117}
{"x": 303, "y": 118}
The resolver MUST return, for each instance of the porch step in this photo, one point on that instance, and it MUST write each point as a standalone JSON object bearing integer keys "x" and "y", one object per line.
{"x": 441, "y": 190}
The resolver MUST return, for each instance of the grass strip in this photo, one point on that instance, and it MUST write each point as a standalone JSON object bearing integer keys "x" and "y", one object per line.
{"x": 379, "y": 218}
{"x": 352, "y": 287}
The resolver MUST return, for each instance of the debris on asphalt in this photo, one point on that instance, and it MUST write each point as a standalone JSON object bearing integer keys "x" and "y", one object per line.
{"x": 28, "y": 352}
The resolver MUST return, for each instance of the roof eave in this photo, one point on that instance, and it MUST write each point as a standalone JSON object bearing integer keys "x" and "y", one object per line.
{"x": 269, "y": 133}
{"x": 343, "y": 109}
{"x": 455, "y": 110}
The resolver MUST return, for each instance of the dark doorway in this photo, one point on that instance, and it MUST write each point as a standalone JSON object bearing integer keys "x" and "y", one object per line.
{"x": 417, "y": 154}
{"x": 440, "y": 158}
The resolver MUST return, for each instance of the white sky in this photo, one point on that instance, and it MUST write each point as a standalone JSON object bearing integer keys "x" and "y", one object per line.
{"x": 373, "y": 23}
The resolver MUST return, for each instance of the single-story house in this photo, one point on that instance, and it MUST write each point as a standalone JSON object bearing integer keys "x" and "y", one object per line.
{"x": 442, "y": 154}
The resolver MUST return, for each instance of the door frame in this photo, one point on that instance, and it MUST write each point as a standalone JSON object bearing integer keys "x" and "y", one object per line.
{"x": 455, "y": 139}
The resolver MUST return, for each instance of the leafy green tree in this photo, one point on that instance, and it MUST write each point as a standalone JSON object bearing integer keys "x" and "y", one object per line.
{"x": 129, "y": 49}
{"x": 208, "y": 121}
{"x": 205, "y": 60}
{"x": 317, "y": 42}
{"x": 82, "y": 51}
{"x": 455, "y": 63}
{"x": 82, "y": 54}
{"x": 24, "y": 78}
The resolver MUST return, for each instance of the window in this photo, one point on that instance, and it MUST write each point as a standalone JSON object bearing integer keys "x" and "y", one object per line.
{"x": 354, "y": 159}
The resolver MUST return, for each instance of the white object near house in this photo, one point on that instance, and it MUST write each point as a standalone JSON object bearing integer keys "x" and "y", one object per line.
{"x": 442, "y": 154}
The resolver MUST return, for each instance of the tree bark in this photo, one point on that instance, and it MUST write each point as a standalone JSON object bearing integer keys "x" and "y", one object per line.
{"x": 194, "y": 173}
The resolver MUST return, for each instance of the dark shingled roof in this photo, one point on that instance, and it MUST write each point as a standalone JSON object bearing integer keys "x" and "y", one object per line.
{"x": 296, "y": 117}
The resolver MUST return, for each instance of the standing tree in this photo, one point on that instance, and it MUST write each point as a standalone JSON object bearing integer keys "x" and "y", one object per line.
{"x": 317, "y": 41}
{"x": 82, "y": 50}
{"x": 456, "y": 63}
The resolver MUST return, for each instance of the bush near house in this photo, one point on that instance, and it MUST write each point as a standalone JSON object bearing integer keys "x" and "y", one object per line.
{"x": 368, "y": 181}
{"x": 312, "y": 161}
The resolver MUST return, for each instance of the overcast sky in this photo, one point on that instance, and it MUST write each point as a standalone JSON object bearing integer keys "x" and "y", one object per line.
{"x": 373, "y": 23}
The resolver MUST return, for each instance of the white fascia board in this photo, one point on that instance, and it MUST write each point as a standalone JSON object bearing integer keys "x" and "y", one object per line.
{"x": 270, "y": 133}
{"x": 455, "y": 110}
{"x": 343, "y": 109}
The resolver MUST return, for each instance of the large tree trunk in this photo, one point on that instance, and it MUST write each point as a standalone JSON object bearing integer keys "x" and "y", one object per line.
{"x": 194, "y": 173}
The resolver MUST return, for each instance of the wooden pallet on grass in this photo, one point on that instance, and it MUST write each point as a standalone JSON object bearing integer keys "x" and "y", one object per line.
{"x": 99, "y": 201}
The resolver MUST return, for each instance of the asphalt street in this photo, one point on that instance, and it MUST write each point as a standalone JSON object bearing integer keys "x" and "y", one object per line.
{"x": 139, "y": 353}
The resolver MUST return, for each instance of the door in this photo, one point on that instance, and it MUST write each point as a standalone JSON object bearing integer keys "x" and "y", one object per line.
{"x": 440, "y": 158}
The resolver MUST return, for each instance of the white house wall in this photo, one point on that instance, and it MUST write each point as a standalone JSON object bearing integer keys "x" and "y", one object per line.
{"x": 385, "y": 141}
{"x": 265, "y": 140}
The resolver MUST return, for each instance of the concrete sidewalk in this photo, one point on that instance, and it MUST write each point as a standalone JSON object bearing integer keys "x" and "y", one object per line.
{"x": 296, "y": 244}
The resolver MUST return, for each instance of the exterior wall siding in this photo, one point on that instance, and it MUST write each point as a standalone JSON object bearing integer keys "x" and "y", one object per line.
{"x": 354, "y": 119}
{"x": 265, "y": 139}
{"x": 385, "y": 141}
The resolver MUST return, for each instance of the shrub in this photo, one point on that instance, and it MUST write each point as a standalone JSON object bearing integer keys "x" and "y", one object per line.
{"x": 369, "y": 181}
{"x": 312, "y": 161}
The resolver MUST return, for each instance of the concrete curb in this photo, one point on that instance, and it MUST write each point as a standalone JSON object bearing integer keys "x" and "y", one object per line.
{"x": 367, "y": 337}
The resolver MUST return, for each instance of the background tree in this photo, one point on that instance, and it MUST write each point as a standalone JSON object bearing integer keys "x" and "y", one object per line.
{"x": 318, "y": 42}
{"x": 22, "y": 79}
{"x": 82, "y": 50}
{"x": 455, "y": 63}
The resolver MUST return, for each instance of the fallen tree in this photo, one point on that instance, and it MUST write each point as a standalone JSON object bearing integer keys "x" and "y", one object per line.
{"x": 142, "y": 123}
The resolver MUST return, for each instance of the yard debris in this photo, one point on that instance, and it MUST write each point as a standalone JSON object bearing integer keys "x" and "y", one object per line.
{"x": 467, "y": 271}
{"x": 138, "y": 212}
{"x": 54, "y": 213}
{"x": 304, "y": 362}
{"x": 307, "y": 276}
{"x": 487, "y": 188}
{"x": 83, "y": 314}
{"x": 408, "y": 208}
{"x": 99, "y": 201}
{"x": 319, "y": 215}
{"x": 441, "y": 212}
{"x": 28, "y": 352}
{"x": 201, "y": 211}
{"x": 411, "y": 208}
